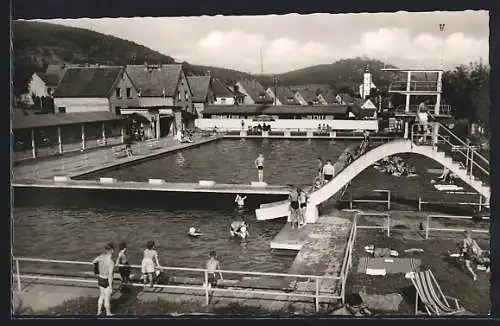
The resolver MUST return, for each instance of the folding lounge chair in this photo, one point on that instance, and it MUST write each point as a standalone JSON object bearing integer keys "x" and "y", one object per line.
{"x": 436, "y": 303}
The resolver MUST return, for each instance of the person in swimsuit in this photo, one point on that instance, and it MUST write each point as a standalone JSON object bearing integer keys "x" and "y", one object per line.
{"x": 303, "y": 197}
{"x": 320, "y": 167}
{"x": 240, "y": 201}
{"x": 259, "y": 164}
{"x": 294, "y": 207}
{"x": 149, "y": 263}
{"x": 212, "y": 266}
{"x": 124, "y": 266}
{"x": 239, "y": 229}
{"x": 328, "y": 171}
{"x": 103, "y": 265}
{"x": 470, "y": 250}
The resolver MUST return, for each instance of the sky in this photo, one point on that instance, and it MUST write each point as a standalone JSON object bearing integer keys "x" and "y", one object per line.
{"x": 293, "y": 41}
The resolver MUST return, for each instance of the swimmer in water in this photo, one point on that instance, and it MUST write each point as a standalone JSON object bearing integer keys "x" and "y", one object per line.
{"x": 240, "y": 201}
{"x": 103, "y": 265}
{"x": 259, "y": 164}
{"x": 194, "y": 232}
{"x": 239, "y": 229}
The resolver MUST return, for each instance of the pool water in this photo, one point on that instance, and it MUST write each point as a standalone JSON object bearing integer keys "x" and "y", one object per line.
{"x": 81, "y": 234}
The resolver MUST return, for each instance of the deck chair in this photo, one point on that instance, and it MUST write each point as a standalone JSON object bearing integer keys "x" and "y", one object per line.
{"x": 435, "y": 302}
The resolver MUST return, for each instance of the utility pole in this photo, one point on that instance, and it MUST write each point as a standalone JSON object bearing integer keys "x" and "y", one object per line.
{"x": 275, "y": 81}
{"x": 441, "y": 29}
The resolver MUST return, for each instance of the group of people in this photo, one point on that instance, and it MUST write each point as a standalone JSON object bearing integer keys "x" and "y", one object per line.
{"x": 396, "y": 166}
{"x": 298, "y": 204}
{"x": 104, "y": 268}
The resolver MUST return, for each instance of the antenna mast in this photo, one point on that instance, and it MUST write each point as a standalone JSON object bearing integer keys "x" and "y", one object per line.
{"x": 261, "y": 63}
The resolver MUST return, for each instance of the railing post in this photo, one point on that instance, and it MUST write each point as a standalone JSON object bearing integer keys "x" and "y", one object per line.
{"x": 419, "y": 204}
{"x": 207, "y": 296}
{"x": 18, "y": 272}
{"x": 427, "y": 227}
{"x": 480, "y": 202}
{"x": 388, "y": 225}
{"x": 471, "y": 162}
{"x": 317, "y": 295}
{"x": 389, "y": 200}
{"x": 350, "y": 201}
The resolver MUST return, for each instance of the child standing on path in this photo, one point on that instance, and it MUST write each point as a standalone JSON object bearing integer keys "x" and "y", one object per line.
{"x": 259, "y": 164}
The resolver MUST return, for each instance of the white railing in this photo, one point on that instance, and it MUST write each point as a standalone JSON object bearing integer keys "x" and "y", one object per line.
{"x": 317, "y": 295}
{"x": 472, "y": 157}
{"x": 347, "y": 261}
{"x": 429, "y": 228}
{"x": 480, "y": 203}
{"x": 386, "y": 201}
{"x": 444, "y": 109}
{"x": 387, "y": 227}
{"x": 286, "y": 124}
{"x": 413, "y": 86}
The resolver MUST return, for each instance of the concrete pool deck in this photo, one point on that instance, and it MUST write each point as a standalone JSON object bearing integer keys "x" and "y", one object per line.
{"x": 95, "y": 160}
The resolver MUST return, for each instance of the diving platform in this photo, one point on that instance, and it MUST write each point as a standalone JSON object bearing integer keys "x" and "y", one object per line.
{"x": 291, "y": 239}
{"x": 158, "y": 185}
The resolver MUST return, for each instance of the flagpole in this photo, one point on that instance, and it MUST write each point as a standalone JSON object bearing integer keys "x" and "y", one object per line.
{"x": 441, "y": 29}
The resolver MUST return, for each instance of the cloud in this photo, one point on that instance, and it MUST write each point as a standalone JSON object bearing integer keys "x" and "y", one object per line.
{"x": 239, "y": 49}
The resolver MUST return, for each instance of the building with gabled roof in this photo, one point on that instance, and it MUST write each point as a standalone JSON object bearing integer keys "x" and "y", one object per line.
{"x": 254, "y": 92}
{"x": 201, "y": 87}
{"x": 284, "y": 96}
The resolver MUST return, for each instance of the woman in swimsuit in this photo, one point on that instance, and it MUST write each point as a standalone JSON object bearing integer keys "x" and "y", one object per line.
{"x": 470, "y": 249}
{"x": 294, "y": 207}
{"x": 149, "y": 263}
{"x": 124, "y": 266}
{"x": 303, "y": 206}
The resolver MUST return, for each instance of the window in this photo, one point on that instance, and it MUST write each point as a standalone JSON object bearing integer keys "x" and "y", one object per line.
{"x": 186, "y": 95}
{"x": 49, "y": 90}
{"x": 62, "y": 109}
{"x": 118, "y": 92}
{"x": 223, "y": 100}
{"x": 129, "y": 92}
{"x": 179, "y": 96}
{"x": 118, "y": 109}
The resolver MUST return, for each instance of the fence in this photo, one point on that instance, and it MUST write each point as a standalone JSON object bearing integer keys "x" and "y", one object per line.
{"x": 429, "y": 217}
{"x": 317, "y": 295}
{"x": 480, "y": 203}
{"x": 347, "y": 261}
{"x": 387, "y": 227}
{"x": 386, "y": 201}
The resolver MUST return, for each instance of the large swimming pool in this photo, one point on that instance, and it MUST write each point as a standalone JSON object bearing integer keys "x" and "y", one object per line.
{"x": 76, "y": 225}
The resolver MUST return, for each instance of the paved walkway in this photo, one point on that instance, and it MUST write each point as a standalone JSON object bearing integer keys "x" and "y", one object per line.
{"x": 85, "y": 162}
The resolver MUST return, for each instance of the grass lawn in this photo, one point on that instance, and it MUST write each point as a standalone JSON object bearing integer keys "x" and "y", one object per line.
{"x": 450, "y": 273}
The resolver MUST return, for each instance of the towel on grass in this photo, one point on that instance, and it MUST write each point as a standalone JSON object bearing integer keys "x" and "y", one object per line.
{"x": 446, "y": 187}
{"x": 390, "y": 265}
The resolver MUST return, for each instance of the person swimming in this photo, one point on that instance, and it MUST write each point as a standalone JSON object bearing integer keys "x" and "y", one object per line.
{"x": 193, "y": 232}
{"x": 240, "y": 201}
{"x": 239, "y": 229}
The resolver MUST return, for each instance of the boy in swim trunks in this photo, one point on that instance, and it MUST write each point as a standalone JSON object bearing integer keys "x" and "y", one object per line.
{"x": 259, "y": 164}
{"x": 105, "y": 266}
{"x": 470, "y": 250}
{"x": 294, "y": 207}
{"x": 212, "y": 266}
{"x": 124, "y": 266}
{"x": 328, "y": 171}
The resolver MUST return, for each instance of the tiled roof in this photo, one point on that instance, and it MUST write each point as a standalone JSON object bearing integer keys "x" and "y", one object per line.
{"x": 151, "y": 82}
{"x": 276, "y": 110}
{"x": 200, "y": 86}
{"x": 283, "y": 94}
{"x": 308, "y": 95}
{"x": 221, "y": 90}
{"x": 49, "y": 79}
{"x": 20, "y": 121}
{"x": 330, "y": 96}
{"x": 88, "y": 82}
{"x": 254, "y": 90}
{"x": 346, "y": 98}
